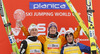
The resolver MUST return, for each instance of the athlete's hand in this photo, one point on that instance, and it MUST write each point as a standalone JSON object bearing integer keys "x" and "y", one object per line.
{"x": 95, "y": 37}
{"x": 19, "y": 24}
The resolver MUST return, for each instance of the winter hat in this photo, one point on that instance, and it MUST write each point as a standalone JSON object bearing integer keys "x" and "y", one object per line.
{"x": 52, "y": 24}
{"x": 32, "y": 26}
{"x": 68, "y": 32}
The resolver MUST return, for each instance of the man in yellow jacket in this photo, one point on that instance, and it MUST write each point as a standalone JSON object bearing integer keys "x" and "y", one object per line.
{"x": 31, "y": 45}
{"x": 73, "y": 47}
{"x": 52, "y": 42}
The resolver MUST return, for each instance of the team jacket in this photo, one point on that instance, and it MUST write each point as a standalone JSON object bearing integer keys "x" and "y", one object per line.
{"x": 29, "y": 46}
{"x": 76, "y": 48}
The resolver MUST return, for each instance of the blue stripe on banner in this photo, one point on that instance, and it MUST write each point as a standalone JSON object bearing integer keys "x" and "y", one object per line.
{"x": 48, "y": 5}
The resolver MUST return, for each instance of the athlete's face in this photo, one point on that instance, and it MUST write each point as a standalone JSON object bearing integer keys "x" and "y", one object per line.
{"x": 53, "y": 30}
{"x": 69, "y": 38}
{"x": 34, "y": 32}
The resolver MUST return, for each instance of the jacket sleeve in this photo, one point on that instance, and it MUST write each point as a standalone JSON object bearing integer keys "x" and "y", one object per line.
{"x": 84, "y": 48}
{"x": 62, "y": 50}
{"x": 63, "y": 40}
{"x": 42, "y": 38}
{"x": 23, "y": 47}
{"x": 76, "y": 33}
{"x": 25, "y": 31}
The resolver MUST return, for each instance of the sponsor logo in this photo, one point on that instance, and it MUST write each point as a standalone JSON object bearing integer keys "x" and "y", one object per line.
{"x": 35, "y": 51}
{"x": 53, "y": 46}
{"x": 12, "y": 39}
{"x": 48, "y": 5}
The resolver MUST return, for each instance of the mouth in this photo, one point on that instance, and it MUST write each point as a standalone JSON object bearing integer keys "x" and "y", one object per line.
{"x": 70, "y": 40}
{"x": 52, "y": 31}
{"x": 33, "y": 33}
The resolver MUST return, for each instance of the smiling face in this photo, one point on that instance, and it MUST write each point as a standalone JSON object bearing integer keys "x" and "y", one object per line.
{"x": 34, "y": 32}
{"x": 69, "y": 38}
{"x": 53, "y": 30}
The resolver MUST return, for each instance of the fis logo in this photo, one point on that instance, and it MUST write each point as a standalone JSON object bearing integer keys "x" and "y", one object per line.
{"x": 12, "y": 39}
{"x": 48, "y": 5}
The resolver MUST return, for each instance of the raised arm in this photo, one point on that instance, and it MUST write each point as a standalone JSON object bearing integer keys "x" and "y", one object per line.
{"x": 19, "y": 24}
{"x": 76, "y": 33}
{"x": 25, "y": 31}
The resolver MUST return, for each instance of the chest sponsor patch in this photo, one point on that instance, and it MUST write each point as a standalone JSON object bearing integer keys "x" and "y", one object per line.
{"x": 53, "y": 46}
{"x": 35, "y": 51}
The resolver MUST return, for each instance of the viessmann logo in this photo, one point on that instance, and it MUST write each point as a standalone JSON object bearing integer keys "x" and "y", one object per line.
{"x": 48, "y": 5}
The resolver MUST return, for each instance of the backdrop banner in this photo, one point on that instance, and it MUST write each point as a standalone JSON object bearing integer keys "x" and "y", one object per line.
{"x": 42, "y": 12}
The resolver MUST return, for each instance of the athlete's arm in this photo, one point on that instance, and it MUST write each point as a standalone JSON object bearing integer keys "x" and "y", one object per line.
{"x": 76, "y": 33}
{"x": 19, "y": 24}
{"x": 42, "y": 38}
{"x": 62, "y": 50}
{"x": 25, "y": 31}
{"x": 23, "y": 47}
{"x": 63, "y": 40}
{"x": 84, "y": 48}
{"x": 42, "y": 48}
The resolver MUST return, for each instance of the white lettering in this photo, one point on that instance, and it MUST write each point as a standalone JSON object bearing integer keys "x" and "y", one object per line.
{"x": 41, "y": 28}
{"x": 41, "y": 5}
